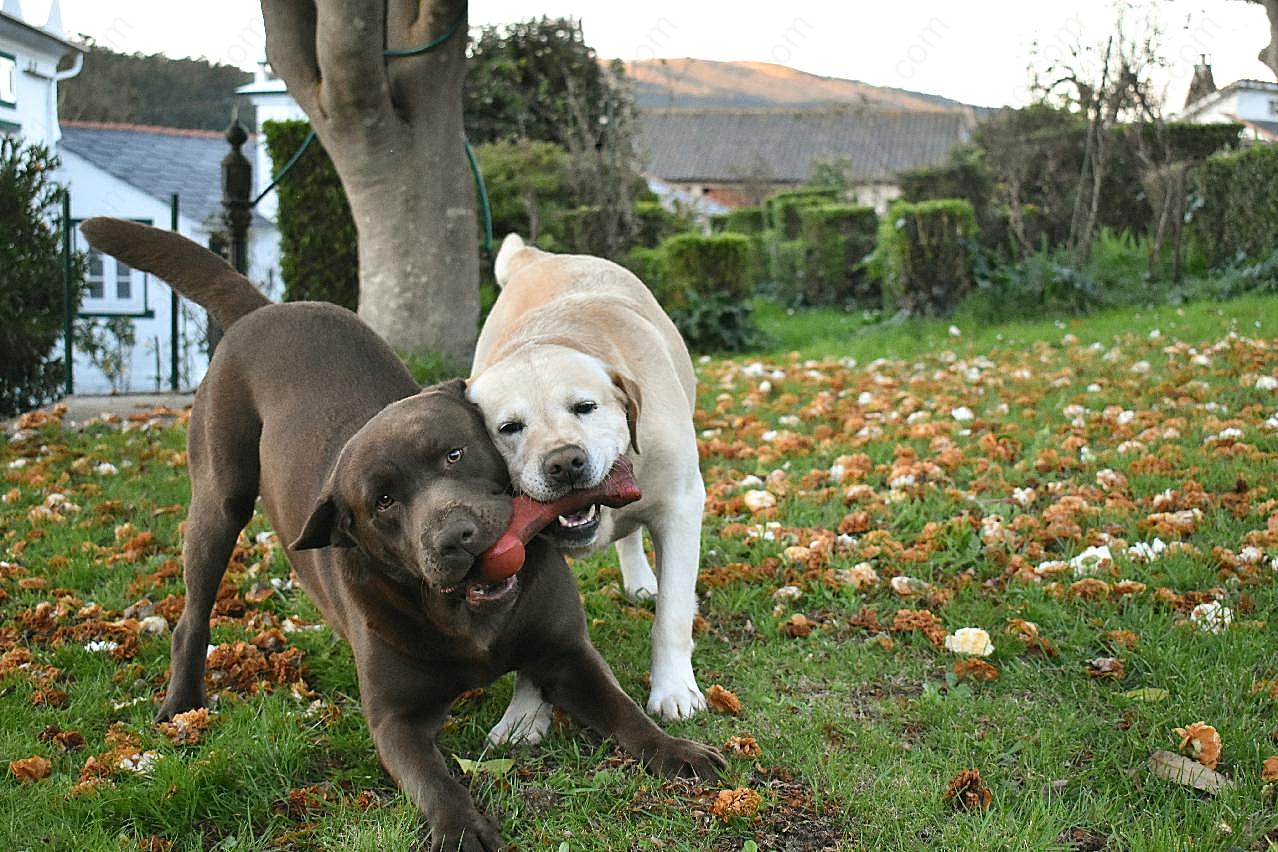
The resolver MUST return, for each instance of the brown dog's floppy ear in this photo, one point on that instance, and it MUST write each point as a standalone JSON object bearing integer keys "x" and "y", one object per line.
{"x": 326, "y": 527}
{"x": 630, "y": 395}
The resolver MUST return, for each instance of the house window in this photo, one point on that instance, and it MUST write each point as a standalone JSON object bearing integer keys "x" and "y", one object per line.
{"x": 112, "y": 288}
{"x": 8, "y": 80}
{"x": 1273, "y": 106}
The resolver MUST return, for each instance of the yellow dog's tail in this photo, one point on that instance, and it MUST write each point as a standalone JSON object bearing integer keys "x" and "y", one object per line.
{"x": 513, "y": 256}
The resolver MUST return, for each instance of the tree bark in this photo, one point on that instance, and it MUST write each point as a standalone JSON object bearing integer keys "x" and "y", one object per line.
{"x": 393, "y": 129}
{"x": 1269, "y": 55}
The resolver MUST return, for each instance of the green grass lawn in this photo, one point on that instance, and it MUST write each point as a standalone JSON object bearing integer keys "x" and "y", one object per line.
{"x": 910, "y": 468}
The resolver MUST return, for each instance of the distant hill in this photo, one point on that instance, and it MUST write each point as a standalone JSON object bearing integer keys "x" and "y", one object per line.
{"x": 703, "y": 83}
{"x": 152, "y": 90}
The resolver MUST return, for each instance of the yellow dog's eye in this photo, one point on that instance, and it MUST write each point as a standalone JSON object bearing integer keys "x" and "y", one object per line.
{"x": 454, "y": 455}
{"x": 511, "y": 427}
{"x": 584, "y": 407}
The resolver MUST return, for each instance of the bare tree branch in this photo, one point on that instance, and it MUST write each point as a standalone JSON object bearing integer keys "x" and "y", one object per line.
{"x": 349, "y": 40}
{"x": 290, "y": 47}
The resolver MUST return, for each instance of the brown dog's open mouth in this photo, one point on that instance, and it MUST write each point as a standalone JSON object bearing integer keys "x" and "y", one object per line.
{"x": 481, "y": 594}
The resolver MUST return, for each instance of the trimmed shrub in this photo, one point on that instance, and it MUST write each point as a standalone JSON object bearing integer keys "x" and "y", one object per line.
{"x": 1236, "y": 205}
{"x": 719, "y": 264}
{"x": 656, "y": 223}
{"x": 744, "y": 220}
{"x": 703, "y": 283}
{"x": 781, "y": 211}
{"x": 31, "y": 300}
{"x": 922, "y": 255}
{"x": 837, "y": 238}
{"x": 319, "y": 249}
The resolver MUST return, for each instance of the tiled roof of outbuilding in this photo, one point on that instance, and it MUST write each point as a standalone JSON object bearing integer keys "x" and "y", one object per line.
{"x": 727, "y": 145}
{"x": 159, "y": 161}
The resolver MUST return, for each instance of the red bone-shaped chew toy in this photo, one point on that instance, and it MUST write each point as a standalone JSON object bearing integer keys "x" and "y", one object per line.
{"x": 529, "y": 517}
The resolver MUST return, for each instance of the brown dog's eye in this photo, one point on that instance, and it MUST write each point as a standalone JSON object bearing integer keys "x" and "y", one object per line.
{"x": 384, "y": 502}
{"x": 454, "y": 455}
{"x": 584, "y": 407}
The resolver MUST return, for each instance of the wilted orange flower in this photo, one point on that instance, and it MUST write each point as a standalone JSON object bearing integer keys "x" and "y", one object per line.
{"x": 742, "y": 802}
{"x": 973, "y": 669}
{"x": 1202, "y": 741}
{"x": 28, "y": 770}
{"x": 1106, "y": 667}
{"x": 1269, "y": 772}
{"x": 723, "y": 701}
{"x": 967, "y": 790}
{"x": 744, "y": 745}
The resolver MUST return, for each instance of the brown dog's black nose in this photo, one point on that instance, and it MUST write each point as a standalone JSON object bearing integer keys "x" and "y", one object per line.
{"x": 457, "y": 544}
{"x": 565, "y": 466}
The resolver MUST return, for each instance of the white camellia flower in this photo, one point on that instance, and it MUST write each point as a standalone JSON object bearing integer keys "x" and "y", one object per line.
{"x": 106, "y": 469}
{"x": 972, "y": 641}
{"x": 757, "y": 501}
{"x": 1147, "y": 551}
{"x": 1212, "y": 616}
{"x": 1091, "y": 561}
{"x": 1266, "y": 383}
{"x": 962, "y": 413}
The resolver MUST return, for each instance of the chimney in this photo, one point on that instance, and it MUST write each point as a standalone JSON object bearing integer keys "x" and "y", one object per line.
{"x": 1203, "y": 83}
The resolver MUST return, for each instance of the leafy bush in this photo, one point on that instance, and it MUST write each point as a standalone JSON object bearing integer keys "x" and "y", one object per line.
{"x": 319, "y": 249}
{"x": 1236, "y": 205}
{"x": 837, "y": 238}
{"x": 31, "y": 300}
{"x": 781, "y": 211}
{"x": 717, "y": 265}
{"x": 1041, "y": 284}
{"x": 717, "y": 322}
{"x": 923, "y": 255}
{"x": 527, "y": 188}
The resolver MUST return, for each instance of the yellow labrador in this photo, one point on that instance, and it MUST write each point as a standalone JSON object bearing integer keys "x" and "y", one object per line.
{"x": 577, "y": 364}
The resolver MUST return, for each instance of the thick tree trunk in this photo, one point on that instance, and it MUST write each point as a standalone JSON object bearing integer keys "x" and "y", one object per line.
{"x": 393, "y": 129}
{"x": 1269, "y": 55}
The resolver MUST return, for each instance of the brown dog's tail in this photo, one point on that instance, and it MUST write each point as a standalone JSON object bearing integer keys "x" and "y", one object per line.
{"x": 188, "y": 267}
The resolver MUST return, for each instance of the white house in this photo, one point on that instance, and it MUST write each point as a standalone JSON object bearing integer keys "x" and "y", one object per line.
{"x": 131, "y": 172}
{"x": 1252, "y": 103}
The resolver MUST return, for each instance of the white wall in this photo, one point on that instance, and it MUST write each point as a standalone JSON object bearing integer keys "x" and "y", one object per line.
{"x": 35, "y": 110}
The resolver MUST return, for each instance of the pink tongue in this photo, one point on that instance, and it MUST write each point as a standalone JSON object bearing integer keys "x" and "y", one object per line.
{"x": 529, "y": 517}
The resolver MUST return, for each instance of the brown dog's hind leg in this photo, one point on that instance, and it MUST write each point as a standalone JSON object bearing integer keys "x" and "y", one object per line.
{"x": 224, "y": 487}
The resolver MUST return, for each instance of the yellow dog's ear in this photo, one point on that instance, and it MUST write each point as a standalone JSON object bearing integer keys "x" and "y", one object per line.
{"x": 630, "y": 396}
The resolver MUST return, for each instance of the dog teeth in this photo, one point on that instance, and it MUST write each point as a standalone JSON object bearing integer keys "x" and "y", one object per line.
{"x": 579, "y": 519}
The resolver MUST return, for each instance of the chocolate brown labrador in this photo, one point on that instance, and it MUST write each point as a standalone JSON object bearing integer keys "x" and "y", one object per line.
{"x": 388, "y": 494}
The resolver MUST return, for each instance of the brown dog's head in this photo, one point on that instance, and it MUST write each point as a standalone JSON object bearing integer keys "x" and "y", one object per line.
{"x": 421, "y": 490}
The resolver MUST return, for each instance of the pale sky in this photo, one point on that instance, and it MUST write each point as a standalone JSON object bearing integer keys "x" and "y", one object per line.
{"x": 975, "y": 52}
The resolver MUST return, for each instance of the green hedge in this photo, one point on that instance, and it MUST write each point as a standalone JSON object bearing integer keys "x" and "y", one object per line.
{"x": 837, "y": 238}
{"x": 655, "y": 223}
{"x": 781, "y": 211}
{"x": 1236, "y": 207}
{"x": 319, "y": 249}
{"x": 922, "y": 255}
{"x": 717, "y": 265}
{"x": 744, "y": 220}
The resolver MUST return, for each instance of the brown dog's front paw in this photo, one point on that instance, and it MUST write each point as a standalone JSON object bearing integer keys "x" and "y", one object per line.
{"x": 678, "y": 757}
{"x": 175, "y": 703}
{"x": 467, "y": 831}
